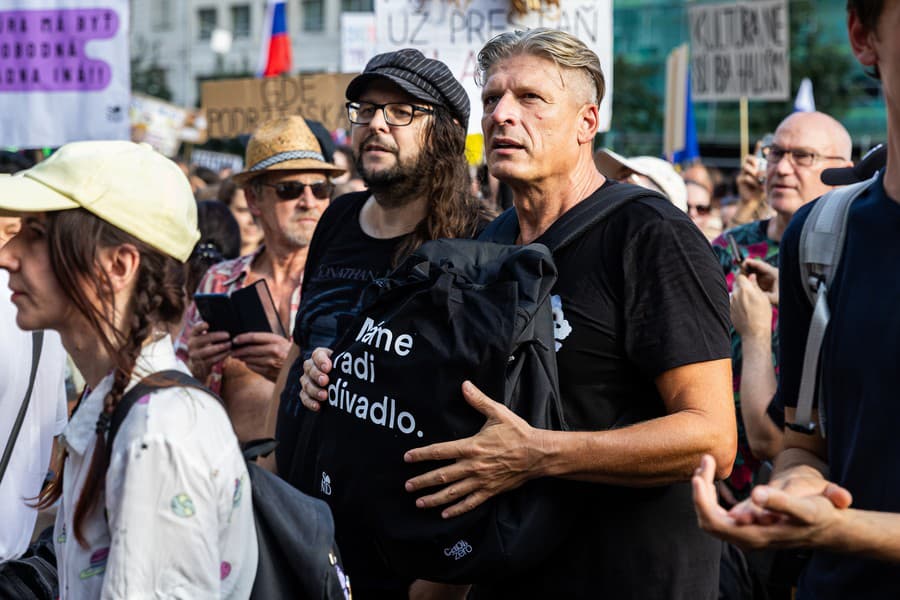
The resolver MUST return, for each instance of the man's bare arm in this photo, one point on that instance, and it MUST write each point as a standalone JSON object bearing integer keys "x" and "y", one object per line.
{"x": 507, "y": 451}
{"x": 268, "y": 462}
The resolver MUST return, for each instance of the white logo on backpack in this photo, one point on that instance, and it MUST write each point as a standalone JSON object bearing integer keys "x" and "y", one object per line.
{"x": 461, "y": 549}
{"x": 326, "y": 484}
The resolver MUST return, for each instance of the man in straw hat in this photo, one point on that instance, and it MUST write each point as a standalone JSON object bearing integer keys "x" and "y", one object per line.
{"x": 288, "y": 185}
{"x": 408, "y": 118}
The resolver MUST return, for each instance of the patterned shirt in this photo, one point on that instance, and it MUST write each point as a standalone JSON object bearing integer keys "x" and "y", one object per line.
{"x": 176, "y": 517}
{"x": 753, "y": 242}
{"x": 224, "y": 278}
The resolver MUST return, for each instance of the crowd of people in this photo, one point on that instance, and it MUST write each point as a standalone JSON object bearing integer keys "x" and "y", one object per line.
{"x": 681, "y": 323}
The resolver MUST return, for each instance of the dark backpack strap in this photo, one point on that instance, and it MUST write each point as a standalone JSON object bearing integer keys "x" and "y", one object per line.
{"x": 37, "y": 342}
{"x": 150, "y": 383}
{"x": 574, "y": 222}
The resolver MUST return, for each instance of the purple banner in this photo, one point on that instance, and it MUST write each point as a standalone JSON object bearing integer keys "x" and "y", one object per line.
{"x": 44, "y": 50}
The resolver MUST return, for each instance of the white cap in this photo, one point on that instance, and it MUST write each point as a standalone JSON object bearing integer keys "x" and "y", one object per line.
{"x": 657, "y": 170}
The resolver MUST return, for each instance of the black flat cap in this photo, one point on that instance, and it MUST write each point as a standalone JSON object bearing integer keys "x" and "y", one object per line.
{"x": 869, "y": 164}
{"x": 424, "y": 79}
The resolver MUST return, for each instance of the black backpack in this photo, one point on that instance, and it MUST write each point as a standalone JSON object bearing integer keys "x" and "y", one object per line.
{"x": 298, "y": 557}
{"x": 453, "y": 310}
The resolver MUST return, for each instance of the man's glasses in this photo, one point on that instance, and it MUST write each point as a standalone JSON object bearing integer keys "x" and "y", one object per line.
{"x": 291, "y": 190}
{"x": 801, "y": 158}
{"x": 398, "y": 114}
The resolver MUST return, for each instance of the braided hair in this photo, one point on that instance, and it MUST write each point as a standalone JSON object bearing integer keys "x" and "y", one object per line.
{"x": 75, "y": 238}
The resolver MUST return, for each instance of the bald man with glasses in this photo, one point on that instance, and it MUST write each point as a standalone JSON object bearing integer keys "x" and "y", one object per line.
{"x": 804, "y": 145}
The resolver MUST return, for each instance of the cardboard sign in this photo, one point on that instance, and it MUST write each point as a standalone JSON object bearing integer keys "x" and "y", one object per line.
{"x": 740, "y": 49}
{"x": 455, "y": 32}
{"x": 64, "y": 71}
{"x": 157, "y": 123}
{"x": 237, "y": 106}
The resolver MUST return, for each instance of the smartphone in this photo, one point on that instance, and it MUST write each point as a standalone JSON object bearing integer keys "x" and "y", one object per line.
{"x": 218, "y": 312}
{"x": 736, "y": 257}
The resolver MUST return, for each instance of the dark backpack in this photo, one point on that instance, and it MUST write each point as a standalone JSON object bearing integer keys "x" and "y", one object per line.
{"x": 298, "y": 558}
{"x": 453, "y": 310}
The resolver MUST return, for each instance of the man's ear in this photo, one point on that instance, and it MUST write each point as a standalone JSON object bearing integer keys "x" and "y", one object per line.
{"x": 121, "y": 264}
{"x": 861, "y": 41}
{"x": 588, "y": 123}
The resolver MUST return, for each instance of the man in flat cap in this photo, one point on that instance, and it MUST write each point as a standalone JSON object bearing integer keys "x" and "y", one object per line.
{"x": 408, "y": 118}
{"x": 287, "y": 184}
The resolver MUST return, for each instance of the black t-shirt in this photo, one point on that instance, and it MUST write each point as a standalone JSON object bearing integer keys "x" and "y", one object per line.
{"x": 860, "y": 375}
{"x": 341, "y": 262}
{"x": 638, "y": 295}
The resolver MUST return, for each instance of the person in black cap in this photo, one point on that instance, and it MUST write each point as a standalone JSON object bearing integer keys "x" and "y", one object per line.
{"x": 408, "y": 117}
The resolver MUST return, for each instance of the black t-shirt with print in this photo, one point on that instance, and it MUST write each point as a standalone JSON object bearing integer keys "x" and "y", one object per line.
{"x": 638, "y": 295}
{"x": 341, "y": 262}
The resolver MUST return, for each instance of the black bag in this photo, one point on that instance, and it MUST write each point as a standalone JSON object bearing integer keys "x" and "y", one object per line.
{"x": 298, "y": 558}
{"x": 453, "y": 310}
{"x": 33, "y": 575}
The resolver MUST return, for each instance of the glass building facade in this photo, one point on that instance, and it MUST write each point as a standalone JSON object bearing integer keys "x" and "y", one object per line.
{"x": 646, "y": 31}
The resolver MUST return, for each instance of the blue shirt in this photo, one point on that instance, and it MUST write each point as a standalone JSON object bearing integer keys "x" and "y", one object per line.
{"x": 860, "y": 377}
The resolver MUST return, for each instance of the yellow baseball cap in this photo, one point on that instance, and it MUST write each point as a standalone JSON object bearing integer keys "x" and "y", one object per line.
{"x": 130, "y": 186}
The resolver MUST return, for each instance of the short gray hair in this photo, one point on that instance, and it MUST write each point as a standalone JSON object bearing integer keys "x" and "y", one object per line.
{"x": 563, "y": 48}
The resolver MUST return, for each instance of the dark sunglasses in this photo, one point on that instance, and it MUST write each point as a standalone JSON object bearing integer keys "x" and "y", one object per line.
{"x": 702, "y": 209}
{"x": 291, "y": 190}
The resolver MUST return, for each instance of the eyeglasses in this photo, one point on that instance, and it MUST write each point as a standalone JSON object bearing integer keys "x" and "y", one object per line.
{"x": 398, "y": 114}
{"x": 702, "y": 209}
{"x": 801, "y": 158}
{"x": 291, "y": 190}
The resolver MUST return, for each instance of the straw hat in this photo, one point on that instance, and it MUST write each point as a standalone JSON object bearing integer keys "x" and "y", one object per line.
{"x": 284, "y": 144}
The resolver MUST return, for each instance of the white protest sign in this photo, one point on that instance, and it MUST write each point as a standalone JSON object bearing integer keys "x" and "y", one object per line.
{"x": 454, "y": 33}
{"x": 358, "y": 41}
{"x": 740, "y": 49}
{"x": 64, "y": 71}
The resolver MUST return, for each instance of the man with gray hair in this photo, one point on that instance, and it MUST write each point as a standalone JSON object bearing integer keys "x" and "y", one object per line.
{"x": 641, "y": 315}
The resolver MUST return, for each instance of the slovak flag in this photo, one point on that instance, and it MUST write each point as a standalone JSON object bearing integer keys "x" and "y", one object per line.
{"x": 275, "y": 58}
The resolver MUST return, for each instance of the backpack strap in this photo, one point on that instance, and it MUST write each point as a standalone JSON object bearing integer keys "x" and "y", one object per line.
{"x": 150, "y": 383}
{"x": 574, "y": 222}
{"x": 821, "y": 245}
{"x": 37, "y": 342}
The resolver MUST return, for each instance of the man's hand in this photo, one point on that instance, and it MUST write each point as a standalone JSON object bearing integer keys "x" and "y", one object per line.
{"x": 263, "y": 352}
{"x": 206, "y": 348}
{"x": 750, "y": 191}
{"x": 314, "y": 381}
{"x": 783, "y": 517}
{"x": 502, "y": 456}
{"x": 766, "y": 277}
{"x": 751, "y": 309}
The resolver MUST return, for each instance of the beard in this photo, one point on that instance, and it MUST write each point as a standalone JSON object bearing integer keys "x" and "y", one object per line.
{"x": 400, "y": 184}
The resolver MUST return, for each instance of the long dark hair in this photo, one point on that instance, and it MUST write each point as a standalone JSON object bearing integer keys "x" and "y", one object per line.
{"x": 453, "y": 212}
{"x": 75, "y": 236}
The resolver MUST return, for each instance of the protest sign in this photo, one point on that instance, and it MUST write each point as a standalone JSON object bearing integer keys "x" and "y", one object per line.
{"x": 64, "y": 71}
{"x": 455, "y": 32}
{"x": 358, "y": 43}
{"x": 237, "y": 106}
{"x": 740, "y": 49}
{"x": 157, "y": 123}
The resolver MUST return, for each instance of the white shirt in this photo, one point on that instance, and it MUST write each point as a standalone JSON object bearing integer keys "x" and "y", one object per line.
{"x": 180, "y": 520}
{"x": 45, "y": 418}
